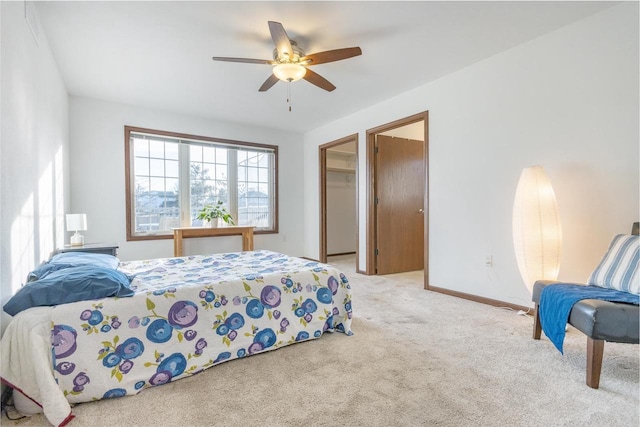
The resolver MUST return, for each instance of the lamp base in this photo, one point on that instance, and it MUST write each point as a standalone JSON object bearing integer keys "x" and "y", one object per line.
{"x": 77, "y": 239}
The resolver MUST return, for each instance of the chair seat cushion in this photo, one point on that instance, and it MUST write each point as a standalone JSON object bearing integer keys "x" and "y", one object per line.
{"x": 604, "y": 320}
{"x": 601, "y": 320}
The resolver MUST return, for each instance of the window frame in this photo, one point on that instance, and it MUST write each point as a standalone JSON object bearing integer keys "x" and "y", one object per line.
{"x": 130, "y": 183}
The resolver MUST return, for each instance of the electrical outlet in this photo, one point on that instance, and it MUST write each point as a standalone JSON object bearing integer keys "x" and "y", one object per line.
{"x": 488, "y": 261}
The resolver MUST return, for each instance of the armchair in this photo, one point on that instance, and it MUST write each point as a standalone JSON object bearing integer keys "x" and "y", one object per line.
{"x": 599, "y": 320}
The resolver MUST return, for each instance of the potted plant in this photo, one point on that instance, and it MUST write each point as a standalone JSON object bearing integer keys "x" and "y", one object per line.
{"x": 211, "y": 214}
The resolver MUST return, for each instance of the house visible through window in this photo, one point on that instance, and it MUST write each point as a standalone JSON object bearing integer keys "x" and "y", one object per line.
{"x": 171, "y": 177}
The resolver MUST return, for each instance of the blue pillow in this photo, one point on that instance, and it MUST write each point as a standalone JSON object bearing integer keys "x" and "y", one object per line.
{"x": 43, "y": 270}
{"x": 70, "y": 285}
{"x": 73, "y": 259}
{"x": 84, "y": 258}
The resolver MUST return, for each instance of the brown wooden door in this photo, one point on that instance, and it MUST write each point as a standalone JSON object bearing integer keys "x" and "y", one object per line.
{"x": 399, "y": 183}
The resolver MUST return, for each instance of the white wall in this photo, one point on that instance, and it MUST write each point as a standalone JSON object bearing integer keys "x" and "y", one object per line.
{"x": 33, "y": 152}
{"x": 98, "y": 182}
{"x": 567, "y": 101}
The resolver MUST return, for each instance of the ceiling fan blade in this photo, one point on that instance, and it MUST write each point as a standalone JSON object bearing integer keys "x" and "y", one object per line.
{"x": 268, "y": 83}
{"x": 243, "y": 60}
{"x": 280, "y": 39}
{"x": 331, "y": 55}
{"x": 318, "y": 80}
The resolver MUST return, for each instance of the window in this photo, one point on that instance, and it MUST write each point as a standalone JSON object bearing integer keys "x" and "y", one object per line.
{"x": 171, "y": 176}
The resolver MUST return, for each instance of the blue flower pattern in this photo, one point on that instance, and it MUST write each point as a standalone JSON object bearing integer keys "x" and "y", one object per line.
{"x": 191, "y": 313}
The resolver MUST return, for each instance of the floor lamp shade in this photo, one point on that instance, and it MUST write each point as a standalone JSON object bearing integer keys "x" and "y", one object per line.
{"x": 537, "y": 235}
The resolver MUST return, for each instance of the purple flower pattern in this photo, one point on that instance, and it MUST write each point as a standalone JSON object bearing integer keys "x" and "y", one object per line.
{"x": 183, "y": 314}
{"x": 195, "y": 312}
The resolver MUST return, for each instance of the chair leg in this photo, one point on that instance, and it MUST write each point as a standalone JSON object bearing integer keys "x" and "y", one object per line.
{"x": 595, "y": 350}
{"x": 537, "y": 327}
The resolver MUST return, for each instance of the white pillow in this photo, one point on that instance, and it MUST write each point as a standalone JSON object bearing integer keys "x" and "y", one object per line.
{"x": 619, "y": 267}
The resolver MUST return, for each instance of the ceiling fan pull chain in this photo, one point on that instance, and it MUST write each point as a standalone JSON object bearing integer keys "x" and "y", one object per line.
{"x": 289, "y": 94}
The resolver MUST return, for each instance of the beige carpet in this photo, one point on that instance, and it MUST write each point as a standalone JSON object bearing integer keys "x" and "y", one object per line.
{"x": 417, "y": 358}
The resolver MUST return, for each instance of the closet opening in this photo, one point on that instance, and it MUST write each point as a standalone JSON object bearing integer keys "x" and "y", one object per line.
{"x": 339, "y": 199}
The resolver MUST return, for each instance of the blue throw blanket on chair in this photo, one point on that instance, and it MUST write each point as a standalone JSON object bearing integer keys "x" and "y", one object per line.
{"x": 556, "y": 302}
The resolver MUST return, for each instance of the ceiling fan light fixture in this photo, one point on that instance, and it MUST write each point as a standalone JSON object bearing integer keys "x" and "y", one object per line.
{"x": 289, "y": 72}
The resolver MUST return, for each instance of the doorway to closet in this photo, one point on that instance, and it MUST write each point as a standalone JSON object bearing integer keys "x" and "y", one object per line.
{"x": 339, "y": 198}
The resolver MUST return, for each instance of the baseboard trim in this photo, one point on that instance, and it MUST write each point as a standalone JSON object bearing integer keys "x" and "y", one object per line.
{"x": 457, "y": 294}
{"x": 476, "y": 298}
{"x": 343, "y": 253}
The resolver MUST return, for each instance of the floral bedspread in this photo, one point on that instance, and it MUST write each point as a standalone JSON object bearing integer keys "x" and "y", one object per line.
{"x": 189, "y": 314}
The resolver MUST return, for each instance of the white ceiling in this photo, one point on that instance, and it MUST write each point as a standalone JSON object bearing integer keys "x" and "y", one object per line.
{"x": 158, "y": 54}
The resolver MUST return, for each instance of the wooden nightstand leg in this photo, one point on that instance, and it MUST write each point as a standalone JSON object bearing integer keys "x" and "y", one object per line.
{"x": 537, "y": 327}
{"x": 595, "y": 350}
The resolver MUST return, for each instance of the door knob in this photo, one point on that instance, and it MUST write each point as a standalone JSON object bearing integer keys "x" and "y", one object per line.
{"x": 420, "y": 210}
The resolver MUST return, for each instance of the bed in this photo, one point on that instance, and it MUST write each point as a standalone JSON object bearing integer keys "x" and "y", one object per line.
{"x": 186, "y": 314}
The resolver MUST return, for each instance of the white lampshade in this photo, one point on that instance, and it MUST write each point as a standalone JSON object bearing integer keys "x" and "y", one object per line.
{"x": 289, "y": 72}
{"x": 537, "y": 235}
{"x": 77, "y": 222}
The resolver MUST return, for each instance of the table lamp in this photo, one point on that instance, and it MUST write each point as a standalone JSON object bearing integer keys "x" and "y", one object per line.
{"x": 77, "y": 222}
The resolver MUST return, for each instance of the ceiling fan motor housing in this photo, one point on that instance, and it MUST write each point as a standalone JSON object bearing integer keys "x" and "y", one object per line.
{"x": 297, "y": 54}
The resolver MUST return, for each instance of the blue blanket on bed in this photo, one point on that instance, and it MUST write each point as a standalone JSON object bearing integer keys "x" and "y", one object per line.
{"x": 556, "y": 302}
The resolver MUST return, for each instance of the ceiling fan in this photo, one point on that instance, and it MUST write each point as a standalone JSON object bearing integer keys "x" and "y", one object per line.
{"x": 291, "y": 63}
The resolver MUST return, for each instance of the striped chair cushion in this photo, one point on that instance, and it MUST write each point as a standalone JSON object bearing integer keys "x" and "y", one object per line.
{"x": 619, "y": 267}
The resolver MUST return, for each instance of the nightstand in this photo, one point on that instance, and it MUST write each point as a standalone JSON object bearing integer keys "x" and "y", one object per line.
{"x": 96, "y": 248}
